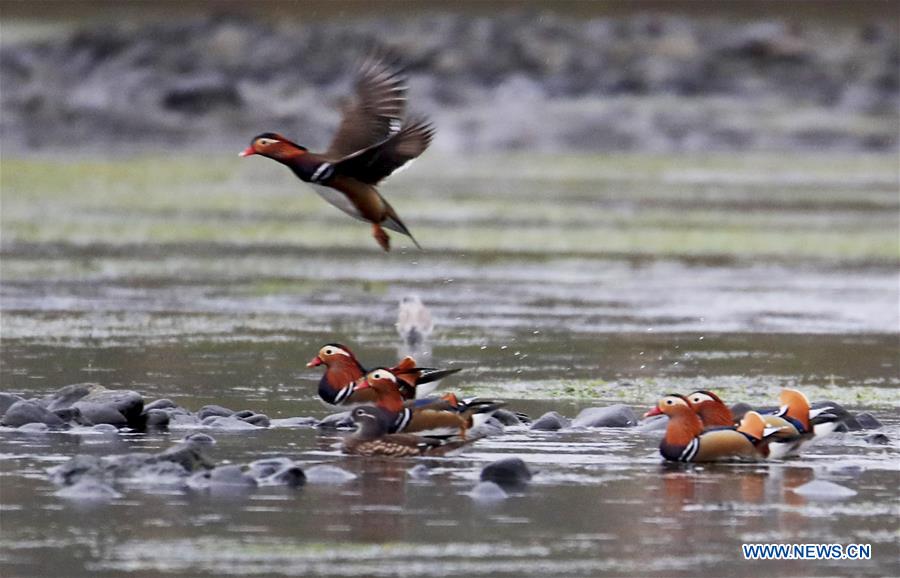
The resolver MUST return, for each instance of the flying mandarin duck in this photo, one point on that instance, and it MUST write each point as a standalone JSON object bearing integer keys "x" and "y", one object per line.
{"x": 374, "y": 139}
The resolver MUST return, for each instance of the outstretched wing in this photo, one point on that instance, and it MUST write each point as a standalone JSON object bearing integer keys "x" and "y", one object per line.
{"x": 376, "y": 109}
{"x": 378, "y": 161}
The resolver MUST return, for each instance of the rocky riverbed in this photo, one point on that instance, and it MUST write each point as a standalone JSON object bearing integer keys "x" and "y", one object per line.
{"x": 514, "y": 80}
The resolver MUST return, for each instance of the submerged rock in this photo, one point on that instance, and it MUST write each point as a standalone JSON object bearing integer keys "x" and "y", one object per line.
{"x": 101, "y": 414}
{"x": 487, "y": 492}
{"x": 227, "y": 423}
{"x": 25, "y": 412}
{"x": 878, "y": 439}
{"x": 491, "y": 427}
{"x": 222, "y": 478}
{"x": 509, "y": 418}
{"x": 824, "y": 490}
{"x": 326, "y": 474}
{"x": 867, "y": 421}
{"x": 159, "y": 404}
{"x": 336, "y": 420}
{"x": 619, "y": 415}
{"x": 6, "y": 401}
{"x": 420, "y": 472}
{"x": 550, "y": 421}
{"x": 508, "y": 472}
{"x": 213, "y": 410}
{"x": 654, "y": 423}
{"x": 293, "y": 422}
{"x": 88, "y": 490}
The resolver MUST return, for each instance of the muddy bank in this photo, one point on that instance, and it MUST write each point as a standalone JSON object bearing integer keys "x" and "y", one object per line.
{"x": 517, "y": 80}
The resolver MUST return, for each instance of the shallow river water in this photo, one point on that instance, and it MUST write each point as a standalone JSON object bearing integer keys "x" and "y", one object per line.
{"x": 601, "y": 288}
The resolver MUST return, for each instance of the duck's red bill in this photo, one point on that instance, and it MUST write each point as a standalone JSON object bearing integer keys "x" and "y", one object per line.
{"x": 315, "y": 361}
{"x": 654, "y": 411}
{"x": 247, "y": 152}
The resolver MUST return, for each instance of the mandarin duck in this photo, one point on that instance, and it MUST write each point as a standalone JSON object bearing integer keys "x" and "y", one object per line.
{"x": 373, "y": 439}
{"x": 445, "y": 415}
{"x": 343, "y": 370}
{"x": 373, "y": 140}
{"x": 686, "y": 440}
{"x": 711, "y": 409}
{"x": 795, "y": 423}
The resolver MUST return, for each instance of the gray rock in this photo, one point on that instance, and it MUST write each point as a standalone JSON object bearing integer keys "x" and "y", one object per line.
{"x": 34, "y": 428}
{"x": 227, "y": 423}
{"x": 23, "y": 412}
{"x": 257, "y": 419}
{"x": 491, "y": 427}
{"x": 213, "y": 410}
{"x": 508, "y": 418}
{"x": 66, "y": 396}
{"x": 155, "y": 418}
{"x": 336, "y": 420}
{"x": 824, "y": 490}
{"x": 88, "y": 490}
{"x": 654, "y": 423}
{"x": 487, "y": 492}
{"x": 129, "y": 403}
{"x": 223, "y": 478}
{"x": 267, "y": 467}
{"x": 6, "y": 400}
{"x": 550, "y": 421}
{"x": 619, "y": 415}
{"x": 244, "y": 413}
{"x": 78, "y": 467}
{"x": 200, "y": 439}
{"x": 293, "y": 422}
{"x": 291, "y": 476}
{"x": 508, "y": 473}
{"x": 878, "y": 439}
{"x": 98, "y": 413}
{"x": 72, "y": 415}
{"x": 160, "y": 404}
{"x": 105, "y": 428}
{"x": 420, "y": 472}
{"x": 867, "y": 421}
{"x": 326, "y": 474}
{"x": 181, "y": 418}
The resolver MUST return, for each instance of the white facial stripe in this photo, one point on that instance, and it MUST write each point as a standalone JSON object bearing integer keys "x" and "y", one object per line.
{"x": 334, "y": 351}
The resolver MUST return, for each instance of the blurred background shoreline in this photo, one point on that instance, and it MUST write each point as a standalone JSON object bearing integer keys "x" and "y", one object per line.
{"x": 550, "y": 77}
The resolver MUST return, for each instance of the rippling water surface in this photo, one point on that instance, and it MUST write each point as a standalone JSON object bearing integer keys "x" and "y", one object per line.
{"x": 599, "y": 281}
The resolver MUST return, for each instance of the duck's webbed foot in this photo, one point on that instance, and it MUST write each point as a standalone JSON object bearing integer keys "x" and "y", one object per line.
{"x": 381, "y": 236}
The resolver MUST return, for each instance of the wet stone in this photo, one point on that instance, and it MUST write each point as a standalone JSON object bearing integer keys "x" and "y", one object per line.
{"x": 508, "y": 472}
{"x": 550, "y": 421}
{"x": 336, "y": 420}
{"x": 508, "y": 418}
{"x": 487, "y": 492}
{"x": 129, "y": 403}
{"x": 213, "y": 410}
{"x": 878, "y": 439}
{"x": 66, "y": 396}
{"x": 420, "y": 472}
{"x": 619, "y": 415}
{"x": 257, "y": 419}
{"x": 88, "y": 489}
{"x": 291, "y": 476}
{"x": 155, "y": 418}
{"x": 325, "y": 474}
{"x": 34, "y": 427}
{"x": 228, "y": 477}
{"x": 867, "y": 421}
{"x": 227, "y": 423}
{"x": 104, "y": 428}
{"x": 6, "y": 400}
{"x": 267, "y": 467}
{"x": 101, "y": 413}
{"x": 293, "y": 422}
{"x": 25, "y": 412}
{"x": 200, "y": 439}
{"x": 654, "y": 423}
{"x": 491, "y": 427}
{"x": 160, "y": 404}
